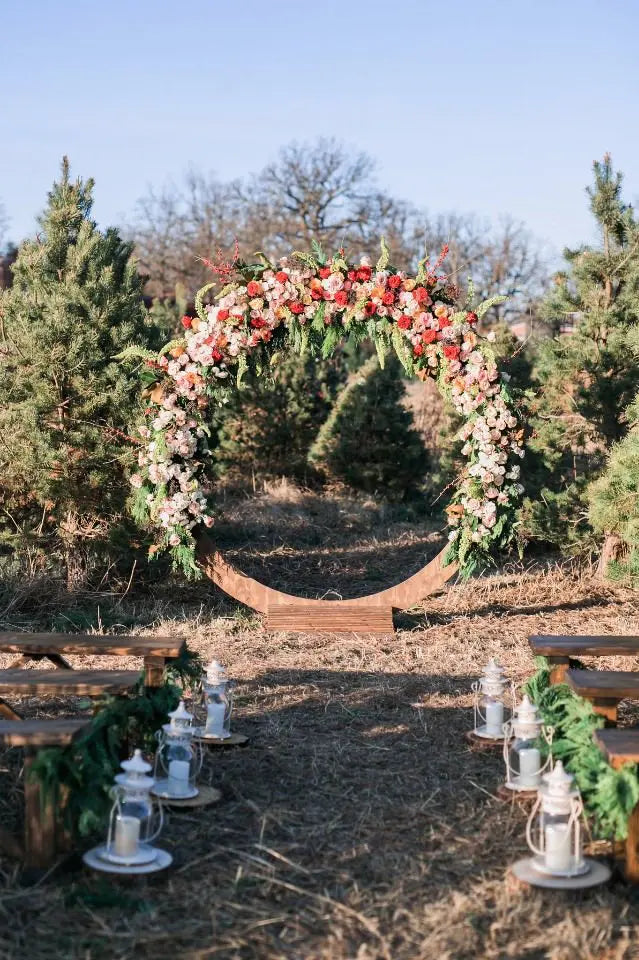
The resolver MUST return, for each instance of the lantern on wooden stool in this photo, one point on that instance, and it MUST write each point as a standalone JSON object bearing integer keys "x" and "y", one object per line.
{"x": 553, "y": 833}
{"x": 218, "y": 698}
{"x": 491, "y": 712}
{"x": 134, "y": 823}
{"x": 521, "y": 751}
{"x": 177, "y": 760}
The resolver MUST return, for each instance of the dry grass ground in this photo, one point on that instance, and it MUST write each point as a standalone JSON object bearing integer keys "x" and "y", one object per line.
{"x": 356, "y": 825}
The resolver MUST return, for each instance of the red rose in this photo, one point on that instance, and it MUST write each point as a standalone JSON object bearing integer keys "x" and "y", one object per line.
{"x": 388, "y": 298}
{"x": 341, "y": 298}
{"x": 444, "y": 322}
{"x": 429, "y": 336}
{"x": 222, "y": 315}
{"x": 296, "y": 308}
{"x": 281, "y": 277}
{"x": 324, "y": 272}
{"x": 370, "y": 308}
{"x": 364, "y": 273}
{"x": 186, "y": 322}
{"x": 258, "y": 322}
{"x": 254, "y": 288}
{"x": 394, "y": 282}
{"x": 217, "y": 356}
{"x": 451, "y": 352}
{"x": 422, "y": 295}
{"x": 317, "y": 293}
{"x": 352, "y": 275}
{"x": 472, "y": 317}
{"x": 404, "y": 323}
{"x": 418, "y": 350}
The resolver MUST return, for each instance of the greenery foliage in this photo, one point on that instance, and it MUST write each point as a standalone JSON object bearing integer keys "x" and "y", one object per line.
{"x": 65, "y": 402}
{"x": 609, "y": 795}
{"x": 368, "y": 441}
{"x": 586, "y": 378}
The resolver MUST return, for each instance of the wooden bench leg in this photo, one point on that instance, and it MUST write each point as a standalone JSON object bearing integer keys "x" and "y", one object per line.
{"x": 632, "y": 847}
{"x": 7, "y": 711}
{"x": 39, "y": 822}
{"x": 558, "y": 668}
{"x": 153, "y": 671}
{"x": 56, "y": 659}
{"x": 606, "y": 708}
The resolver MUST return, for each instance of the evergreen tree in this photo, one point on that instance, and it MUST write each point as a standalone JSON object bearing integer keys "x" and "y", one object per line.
{"x": 614, "y": 498}
{"x": 268, "y": 426}
{"x": 369, "y": 441}
{"x": 65, "y": 402}
{"x": 588, "y": 377}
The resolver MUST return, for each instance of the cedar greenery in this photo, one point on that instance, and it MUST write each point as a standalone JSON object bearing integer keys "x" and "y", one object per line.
{"x": 609, "y": 795}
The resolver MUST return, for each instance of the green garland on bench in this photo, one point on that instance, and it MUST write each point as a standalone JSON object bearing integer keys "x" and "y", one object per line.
{"x": 83, "y": 773}
{"x": 609, "y": 795}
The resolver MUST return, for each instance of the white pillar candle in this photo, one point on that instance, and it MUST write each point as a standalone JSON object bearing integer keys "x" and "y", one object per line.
{"x": 529, "y": 766}
{"x": 215, "y": 719}
{"x": 179, "y": 777}
{"x": 495, "y": 718}
{"x": 127, "y": 835}
{"x": 558, "y": 854}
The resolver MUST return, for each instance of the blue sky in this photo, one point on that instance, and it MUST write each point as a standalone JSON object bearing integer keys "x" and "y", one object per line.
{"x": 498, "y": 106}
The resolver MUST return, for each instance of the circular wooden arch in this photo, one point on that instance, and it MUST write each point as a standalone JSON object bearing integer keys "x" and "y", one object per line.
{"x": 259, "y": 597}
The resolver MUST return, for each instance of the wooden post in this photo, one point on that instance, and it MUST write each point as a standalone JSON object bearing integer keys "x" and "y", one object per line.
{"x": 558, "y": 668}
{"x": 39, "y": 822}
{"x": 606, "y": 708}
{"x": 7, "y": 711}
{"x": 153, "y": 671}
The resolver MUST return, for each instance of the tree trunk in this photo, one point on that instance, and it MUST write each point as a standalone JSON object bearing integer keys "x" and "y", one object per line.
{"x": 610, "y": 551}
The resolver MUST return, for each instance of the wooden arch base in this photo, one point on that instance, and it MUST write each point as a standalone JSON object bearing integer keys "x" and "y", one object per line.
{"x": 284, "y": 612}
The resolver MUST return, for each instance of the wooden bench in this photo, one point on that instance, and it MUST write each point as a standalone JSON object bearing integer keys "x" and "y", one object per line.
{"x": 59, "y": 683}
{"x": 559, "y": 650}
{"x": 619, "y": 748}
{"x": 54, "y": 646}
{"x": 604, "y": 689}
{"x": 44, "y": 836}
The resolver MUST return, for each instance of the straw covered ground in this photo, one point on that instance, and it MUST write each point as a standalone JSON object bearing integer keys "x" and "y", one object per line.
{"x": 357, "y": 824}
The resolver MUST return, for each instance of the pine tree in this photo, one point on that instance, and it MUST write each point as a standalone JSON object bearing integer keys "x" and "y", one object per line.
{"x": 369, "y": 441}
{"x": 587, "y": 377}
{"x": 270, "y": 423}
{"x": 65, "y": 402}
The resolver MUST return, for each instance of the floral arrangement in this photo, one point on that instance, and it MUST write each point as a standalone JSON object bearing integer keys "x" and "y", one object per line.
{"x": 308, "y": 301}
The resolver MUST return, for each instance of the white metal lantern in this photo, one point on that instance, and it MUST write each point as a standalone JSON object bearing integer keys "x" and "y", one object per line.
{"x": 218, "y": 698}
{"x": 522, "y": 755}
{"x": 177, "y": 760}
{"x": 553, "y": 830}
{"x": 491, "y": 692}
{"x": 135, "y": 821}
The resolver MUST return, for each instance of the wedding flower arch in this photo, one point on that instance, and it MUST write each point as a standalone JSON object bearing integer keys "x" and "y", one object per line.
{"x": 309, "y": 301}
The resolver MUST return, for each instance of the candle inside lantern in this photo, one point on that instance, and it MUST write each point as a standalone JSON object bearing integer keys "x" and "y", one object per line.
{"x": 127, "y": 835}
{"x": 529, "y": 767}
{"x": 558, "y": 853}
{"x": 178, "y": 777}
{"x": 495, "y": 718}
{"x": 215, "y": 719}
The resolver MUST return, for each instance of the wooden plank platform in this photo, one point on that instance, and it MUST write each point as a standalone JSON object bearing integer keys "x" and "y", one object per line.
{"x": 330, "y": 618}
{"x": 56, "y": 683}
{"x": 40, "y": 733}
{"x": 619, "y": 746}
{"x": 42, "y": 644}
